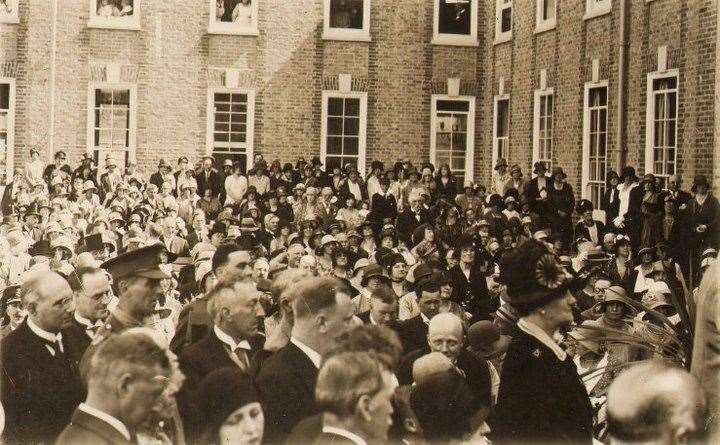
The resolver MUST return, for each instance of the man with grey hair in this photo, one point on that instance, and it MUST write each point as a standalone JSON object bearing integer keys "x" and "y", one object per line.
{"x": 655, "y": 402}
{"x": 128, "y": 376}
{"x": 39, "y": 384}
{"x": 354, "y": 391}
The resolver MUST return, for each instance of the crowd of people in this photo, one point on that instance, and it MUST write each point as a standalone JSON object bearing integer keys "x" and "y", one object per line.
{"x": 294, "y": 303}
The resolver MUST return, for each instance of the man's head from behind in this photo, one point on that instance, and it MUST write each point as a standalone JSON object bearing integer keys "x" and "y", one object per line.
{"x": 655, "y": 402}
{"x": 47, "y": 297}
{"x": 236, "y": 309}
{"x": 445, "y": 335}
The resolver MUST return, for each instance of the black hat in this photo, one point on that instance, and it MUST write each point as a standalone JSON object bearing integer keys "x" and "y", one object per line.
{"x": 585, "y": 205}
{"x": 373, "y": 270}
{"x": 495, "y": 200}
{"x": 628, "y": 172}
{"x": 646, "y": 249}
{"x": 316, "y": 161}
{"x": 40, "y": 248}
{"x": 558, "y": 171}
{"x": 700, "y": 180}
{"x": 287, "y": 167}
{"x": 537, "y": 166}
{"x": 144, "y": 262}
{"x": 533, "y": 275}
{"x": 11, "y": 294}
{"x": 223, "y": 392}
{"x": 374, "y": 165}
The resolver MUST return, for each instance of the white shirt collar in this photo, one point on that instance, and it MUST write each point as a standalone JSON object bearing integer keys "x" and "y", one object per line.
{"x": 107, "y": 418}
{"x": 223, "y": 337}
{"x": 85, "y": 321}
{"x": 533, "y": 330}
{"x": 424, "y": 318}
{"x": 42, "y": 333}
{"x": 314, "y": 357}
{"x": 354, "y": 438}
{"x": 372, "y": 320}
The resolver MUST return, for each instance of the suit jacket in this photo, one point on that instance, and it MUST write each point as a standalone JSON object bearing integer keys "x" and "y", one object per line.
{"x": 157, "y": 179}
{"x": 708, "y": 214}
{"x": 382, "y": 206}
{"x": 472, "y": 293}
{"x": 332, "y": 439}
{"x": 6, "y": 204}
{"x": 541, "y": 399}
{"x": 79, "y": 333}
{"x": 532, "y": 192}
{"x": 407, "y": 223}
{"x": 413, "y": 333}
{"x": 39, "y": 391}
{"x": 86, "y": 429}
{"x": 286, "y": 383}
{"x": 215, "y": 182}
{"x": 581, "y": 230}
{"x": 364, "y": 317}
{"x": 193, "y": 324}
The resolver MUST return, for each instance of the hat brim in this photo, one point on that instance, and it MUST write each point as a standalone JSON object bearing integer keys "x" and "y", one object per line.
{"x": 153, "y": 274}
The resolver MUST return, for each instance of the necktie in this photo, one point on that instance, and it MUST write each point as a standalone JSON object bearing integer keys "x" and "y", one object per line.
{"x": 242, "y": 355}
{"x": 93, "y": 329}
{"x": 55, "y": 347}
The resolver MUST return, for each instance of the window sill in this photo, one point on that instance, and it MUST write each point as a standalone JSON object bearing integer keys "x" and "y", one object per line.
{"x": 502, "y": 38}
{"x": 600, "y": 11}
{"x": 545, "y": 26}
{"x": 231, "y": 29}
{"x": 346, "y": 35}
{"x": 455, "y": 40}
{"x": 131, "y": 25}
{"x": 10, "y": 21}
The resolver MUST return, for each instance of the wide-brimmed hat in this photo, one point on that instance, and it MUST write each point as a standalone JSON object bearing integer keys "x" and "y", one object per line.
{"x": 502, "y": 162}
{"x": 586, "y": 337}
{"x": 617, "y": 294}
{"x": 558, "y": 171}
{"x": 89, "y": 185}
{"x": 373, "y": 270}
{"x": 585, "y": 205}
{"x": 700, "y": 180}
{"x": 484, "y": 338}
{"x": 248, "y": 225}
{"x": 516, "y": 168}
{"x": 494, "y": 200}
{"x": 647, "y": 249}
{"x": 41, "y": 248}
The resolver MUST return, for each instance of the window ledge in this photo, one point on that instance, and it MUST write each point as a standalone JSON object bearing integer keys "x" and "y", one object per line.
{"x": 229, "y": 29}
{"x": 547, "y": 25}
{"x": 108, "y": 23}
{"x": 455, "y": 40}
{"x": 346, "y": 35}
{"x": 502, "y": 38}
{"x": 10, "y": 21}
{"x": 597, "y": 12}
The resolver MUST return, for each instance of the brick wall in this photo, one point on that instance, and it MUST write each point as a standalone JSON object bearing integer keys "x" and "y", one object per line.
{"x": 174, "y": 59}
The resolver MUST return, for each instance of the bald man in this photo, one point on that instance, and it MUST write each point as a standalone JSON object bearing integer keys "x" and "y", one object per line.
{"x": 40, "y": 385}
{"x": 655, "y": 403}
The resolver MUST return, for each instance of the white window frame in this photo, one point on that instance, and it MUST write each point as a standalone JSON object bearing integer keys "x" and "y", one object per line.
{"x": 497, "y": 99}
{"x": 456, "y": 39}
{"x": 596, "y": 8}
{"x": 536, "y": 126}
{"x": 10, "y": 147}
{"x": 585, "y": 181}
{"x": 14, "y": 16}
{"x": 542, "y": 25}
{"x": 650, "y": 119}
{"x": 250, "y": 125}
{"x": 470, "y": 141}
{"x": 356, "y": 35}
{"x": 216, "y": 27}
{"x": 501, "y": 37}
{"x": 132, "y": 137}
{"x": 131, "y": 23}
{"x": 362, "y": 132}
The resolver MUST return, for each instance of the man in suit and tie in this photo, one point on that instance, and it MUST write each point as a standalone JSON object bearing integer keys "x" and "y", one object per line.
{"x": 588, "y": 228}
{"x": 413, "y": 331}
{"x": 209, "y": 178}
{"x": 92, "y": 293}
{"x": 234, "y": 340}
{"x": 355, "y": 392}
{"x": 128, "y": 375}
{"x": 412, "y": 217}
{"x": 383, "y": 308}
{"x": 323, "y": 313}
{"x": 40, "y": 385}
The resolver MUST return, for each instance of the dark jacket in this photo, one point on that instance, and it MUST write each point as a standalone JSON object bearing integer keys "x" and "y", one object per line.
{"x": 582, "y": 231}
{"x": 38, "y": 391}
{"x": 215, "y": 183}
{"x": 541, "y": 399}
{"x": 85, "y": 429}
{"x": 382, "y": 206}
{"x": 332, "y": 439}
{"x": 407, "y": 222}
{"x": 6, "y": 201}
{"x": 472, "y": 294}
{"x": 286, "y": 382}
{"x": 532, "y": 193}
{"x": 707, "y": 214}
{"x": 611, "y": 208}
{"x": 413, "y": 333}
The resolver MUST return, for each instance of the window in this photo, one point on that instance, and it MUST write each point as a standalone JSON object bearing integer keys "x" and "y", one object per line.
{"x": 595, "y": 142}
{"x": 543, "y": 126}
{"x": 503, "y": 20}
{"x": 7, "y": 124}
{"x": 233, "y": 17}
{"x": 111, "y": 122}
{"x": 662, "y": 112}
{"x": 455, "y": 22}
{"x": 115, "y": 14}
{"x": 9, "y": 11}
{"x": 501, "y": 128}
{"x": 453, "y": 134}
{"x": 347, "y": 20}
{"x": 545, "y": 15}
{"x": 595, "y": 8}
{"x": 231, "y": 125}
{"x": 344, "y": 121}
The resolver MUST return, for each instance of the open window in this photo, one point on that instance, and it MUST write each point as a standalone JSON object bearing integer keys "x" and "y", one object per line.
{"x": 115, "y": 14}
{"x": 346, "y": 20}
{"x": 661, "y": 146}
{"x": 503, "y": 20}
{"x": 112, "y": 121}
{"x": 455, "y": 22}
{"x": 238, "y": 17}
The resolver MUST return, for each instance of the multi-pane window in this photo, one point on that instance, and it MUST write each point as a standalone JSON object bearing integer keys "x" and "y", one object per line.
{"x": 545, "y": 15}
{"x": 347, "y": 20}
{"x": 503, "y": 20}
{"x": 6, "y": 125}
{"x": 501, "y": 139}
{"x": 233, "y": 16}
{"x": 596, "y": 134}
{"x": 121, "y": 14}
{"x": 231, "y": 117}
{"x": 543, "y": 125}
{"x": 663, "y": 107}
{"x": 344, "y": 121}
{"x": 112, "y": 123}
{"x": 455, "y": 22}
{"x": 452, "y": 138}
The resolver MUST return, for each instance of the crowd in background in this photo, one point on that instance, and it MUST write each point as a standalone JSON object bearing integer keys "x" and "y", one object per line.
{"x": 295, "y": 303}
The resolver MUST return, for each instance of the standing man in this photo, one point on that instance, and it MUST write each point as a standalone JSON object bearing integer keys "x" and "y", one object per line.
{"x": 209, "y": 178}
{"x": 92, "y": 293}
{"x": 39, "y": 384}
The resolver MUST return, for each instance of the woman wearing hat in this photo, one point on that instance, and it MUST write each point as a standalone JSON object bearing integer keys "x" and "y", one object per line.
{"x": 619, "y": 268}
{"x": 445, "y": 183}
{"x": 703, "y": 213}
{"x": 350, "y": 212}
{"x": 12, "y": 313}
{"x": 450, "y": 226}
{"x": 516, "y": 180}
{"x": 561, "y": 205}
{"x": 651, "y": 211}
{"x": 500, "y": 177}
{"x": 610, "y": 201}
{"x": 542, "y": 398}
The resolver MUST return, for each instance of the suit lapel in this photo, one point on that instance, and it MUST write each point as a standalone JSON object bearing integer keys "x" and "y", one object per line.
{"x": 99, "y": 427}
{"x": 307, "y": 370}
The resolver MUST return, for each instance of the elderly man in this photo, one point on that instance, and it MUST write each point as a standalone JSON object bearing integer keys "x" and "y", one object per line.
{"x": 40, "y": 385}
{"x": 323, "y": 313}
{"x": 92, "y": 293}
{"x": 354, "y": 392}
{"x": 655, "y": 402}
{"x": 128, "y": 376}
{"x": 209, "y": 179}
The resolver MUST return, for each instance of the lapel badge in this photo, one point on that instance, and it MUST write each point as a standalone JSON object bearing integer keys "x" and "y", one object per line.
{"x": 536, "y": 353}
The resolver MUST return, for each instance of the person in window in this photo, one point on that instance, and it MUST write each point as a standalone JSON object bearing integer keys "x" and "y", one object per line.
{"x": 455, "y": 16}
{"x": 242, "y": 13}
{"x": 126, "y": 8}
{"x": 107, "y": 8}
{"x": 346, "y": 14}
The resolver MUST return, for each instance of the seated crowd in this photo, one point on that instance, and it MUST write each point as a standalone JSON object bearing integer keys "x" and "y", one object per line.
{"x": 299, "y": 304}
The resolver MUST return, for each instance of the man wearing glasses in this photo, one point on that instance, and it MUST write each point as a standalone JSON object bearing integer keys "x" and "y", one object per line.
{"x": 91, "y": 294}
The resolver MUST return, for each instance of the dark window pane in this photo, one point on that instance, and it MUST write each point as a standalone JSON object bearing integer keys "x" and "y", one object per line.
{"x": 239, "y": 108}
{"x": 459, "y": 141}
{"x": 548, "y": 9}
{"x": 220, "y": 126}
{"x": 237, "y": 137}
{"x": 667, "y": 83}
{"x": 331, "y": 162}
{"x": 352, "y": 126}
{"x": 335, "y": 106}
{"x": 453, "y": 105}
{"x": 335, "y": 126}
{"x": 238, "y": 128}
{"x": 506, "y": 20}
{"x": 346, "y": 14}
{"x": 4, "y": 96}
{"x": 239, "y": 98}
{"x": 454, "y": 17}
{"x": 352, "y": 107}
{"x": 222, "y": 107}
{"x": 238, "y": 118}
{"x": 350, "y": 146}
{"x": 222, "y": 97}
{"x": 222, "y": 117}
{"x": 222, "y": 137}
{"x": 334, "y": 145}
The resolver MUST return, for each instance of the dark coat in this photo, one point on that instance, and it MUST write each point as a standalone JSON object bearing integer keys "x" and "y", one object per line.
{"x": 407, "y": 222}
{"x": 612, "y": 209}
{"x": 413, "y": 333}
{"x": 581, "y": 230}
{"x": 472, "y": 294}
{"x": 449, "y": 190}
{"x": 286, "y": 382}
{"x": 85, "y": 429}
{"x": 541, "y": 399}
{"x": 38, "y": 391}
{"x": 79, "y": 333}
{"x": 532, "y": 193}
{"x": 6, "y": 201}
{"x": 214, "y": 183}
{"x": 193, "y": 325}
{"x": 382, "y": 206}
{"x": 708, "y": 214}
{"x": 332, "y": 439}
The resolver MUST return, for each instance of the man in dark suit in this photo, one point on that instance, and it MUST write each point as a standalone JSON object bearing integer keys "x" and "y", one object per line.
{"x": 60, "y": 163}
{"x": 235, "y": 340}
{"x": 323, "y": 313}
{"x": 209, "y": 178}
{"x": 588, "y": 228}
{"x": 128, "y": 375}
{"x": 40, "y": 385}
{"x": 539, "y": 182}
{"x": 412, "y": 217}
{"x": 92, "y": 293}
{"x": 383, "y": 308}
{"x": 383, "y": 205}
{"x": 348, "y": 417}
{"x": 413, "y": 331}
{"x": 468, "y": 278}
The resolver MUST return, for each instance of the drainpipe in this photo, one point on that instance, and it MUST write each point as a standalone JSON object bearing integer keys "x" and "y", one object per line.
{"x": 53, "y": 51}
{"x": 622, "y": 59}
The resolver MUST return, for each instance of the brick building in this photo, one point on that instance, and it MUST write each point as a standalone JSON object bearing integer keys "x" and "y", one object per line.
{"x": 459, "y": 81}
